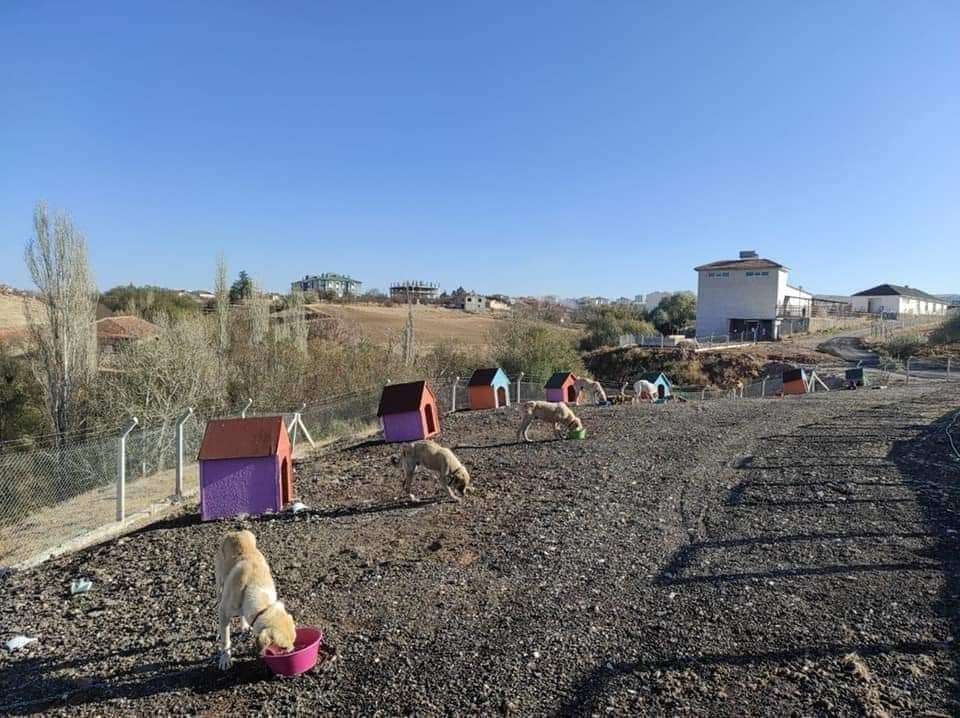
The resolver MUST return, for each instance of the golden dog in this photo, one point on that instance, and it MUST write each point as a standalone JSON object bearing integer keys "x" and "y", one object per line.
{"x": 245, "y": 588}
{"x": 556, "y": 413}
{"x": 583, "y": 385}
{"x": 450, "y": 472}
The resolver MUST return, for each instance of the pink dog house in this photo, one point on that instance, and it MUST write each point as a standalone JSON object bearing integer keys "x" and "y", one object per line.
{"x": 245, "y": 467}
{"x": 408, "y": 412}
{"x": 559, "y": 387}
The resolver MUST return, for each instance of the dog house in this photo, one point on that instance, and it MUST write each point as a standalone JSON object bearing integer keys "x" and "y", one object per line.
{"x": 795, "y": 381}
{"x": 559, "y": 387}
{"x": 661, "y": 381}
{"x": 856, "y": 376}
{"x": 246, "y": 467}
{"x": 408, "y": 412}
{"x": 488, "y": 389}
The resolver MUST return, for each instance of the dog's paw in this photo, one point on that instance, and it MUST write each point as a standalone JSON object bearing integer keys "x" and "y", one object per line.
{"x": 225, "y": 660}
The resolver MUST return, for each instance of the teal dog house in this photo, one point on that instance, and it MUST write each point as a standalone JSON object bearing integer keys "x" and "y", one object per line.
{"x": 659, "y": 380}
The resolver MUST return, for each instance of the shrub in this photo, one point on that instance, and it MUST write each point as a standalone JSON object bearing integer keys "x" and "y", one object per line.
{"x": 535, "y": 349}
{"x": 948, "y": 332}
{"x": 903, "y": 346}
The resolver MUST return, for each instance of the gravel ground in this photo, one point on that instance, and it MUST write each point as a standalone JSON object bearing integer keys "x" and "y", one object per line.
{"x": 794, "y": 557}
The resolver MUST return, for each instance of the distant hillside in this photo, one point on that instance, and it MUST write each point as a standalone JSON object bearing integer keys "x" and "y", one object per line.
{"x": 432, "y": 325}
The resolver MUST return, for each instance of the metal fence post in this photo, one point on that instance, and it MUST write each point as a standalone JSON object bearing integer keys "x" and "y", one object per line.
{"x": 243, "y": 411}
{"x": 122, "y": 470}
{"x": 178, "y": 488}
{"x": 908, "y": 370}
{"x": 453, "y": 396}
{"x": 763, "y": 387}
{"x": 519, "y": 380}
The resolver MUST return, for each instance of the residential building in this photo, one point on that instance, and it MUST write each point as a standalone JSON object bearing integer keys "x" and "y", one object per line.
{"x": 414, "y": 291}
{"x": 749, "y": 294}
{"x": 114, "y": 332}
{"x": 338, "y": 284}
{"x": 892, "y": 301}
{"x": 475, "y": 303}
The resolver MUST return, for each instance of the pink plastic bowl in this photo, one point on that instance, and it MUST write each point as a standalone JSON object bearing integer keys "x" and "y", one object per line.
{"x": 302, "y": 658}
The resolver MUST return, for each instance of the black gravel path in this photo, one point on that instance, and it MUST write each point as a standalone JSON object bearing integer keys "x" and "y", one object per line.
{"x": 795, "y": 557}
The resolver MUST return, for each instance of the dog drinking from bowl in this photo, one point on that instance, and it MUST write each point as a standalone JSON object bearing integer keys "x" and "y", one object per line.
{"x": 245, "y": 589}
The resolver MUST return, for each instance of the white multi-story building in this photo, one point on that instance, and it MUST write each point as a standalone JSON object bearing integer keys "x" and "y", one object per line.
{"x": 893, "y": 301}
{"x": 748, "y": 295}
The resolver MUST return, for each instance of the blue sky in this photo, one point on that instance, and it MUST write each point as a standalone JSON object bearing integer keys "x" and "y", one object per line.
{"x": 490, "y": 145}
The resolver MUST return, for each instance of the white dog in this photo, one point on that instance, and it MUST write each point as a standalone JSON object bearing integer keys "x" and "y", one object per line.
{"x": 556, "y": 413}
{"x": 245, "y": 588}
{"x": 643, "y": 390}
{"x": 583, "y": 385}
{"x": 450, "y": 472}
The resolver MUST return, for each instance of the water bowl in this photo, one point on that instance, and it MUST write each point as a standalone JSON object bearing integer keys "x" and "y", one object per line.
{"x": 301, "y": 659}
{"x": 577, "y": 434}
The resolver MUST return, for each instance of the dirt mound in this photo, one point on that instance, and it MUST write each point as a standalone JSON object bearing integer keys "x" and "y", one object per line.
{"x": 684, "y": 368}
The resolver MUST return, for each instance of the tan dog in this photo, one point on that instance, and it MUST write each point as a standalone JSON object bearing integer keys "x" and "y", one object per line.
{"x": 245, "y": 588}
{"x": 450, "y": 472}
{"x": 583, "y": 385}
{"x": 556, "y": 413}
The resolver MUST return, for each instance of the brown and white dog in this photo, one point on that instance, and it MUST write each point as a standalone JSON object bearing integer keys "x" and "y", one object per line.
{"x": 583, "y": 385}
{"x": 245, "y": 588}
{"x": 450, "y": 472}
{"x": 556, "y": 413}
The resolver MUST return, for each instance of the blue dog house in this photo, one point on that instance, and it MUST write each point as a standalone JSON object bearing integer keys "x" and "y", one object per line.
{"x": 659, "y": 380}
{"x": 488, "y": 389}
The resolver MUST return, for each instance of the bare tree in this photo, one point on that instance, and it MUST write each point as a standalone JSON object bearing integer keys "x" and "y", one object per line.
{"x": 296, "y": 317}
{"x": 408, "y": 343}
{"x": 64, "y": 331}
{"x": 258, "y": 308}
{"x": 221, "y": 290}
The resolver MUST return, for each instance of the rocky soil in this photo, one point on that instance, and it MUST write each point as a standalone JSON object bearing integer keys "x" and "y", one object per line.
{"x": 778, "y": 557}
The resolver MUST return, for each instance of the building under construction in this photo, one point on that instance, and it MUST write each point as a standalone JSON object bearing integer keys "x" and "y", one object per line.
{"x": 414, "y": 291}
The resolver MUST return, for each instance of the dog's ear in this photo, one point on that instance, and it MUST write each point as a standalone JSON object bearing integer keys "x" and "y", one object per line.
{"x": 264, "y": 639}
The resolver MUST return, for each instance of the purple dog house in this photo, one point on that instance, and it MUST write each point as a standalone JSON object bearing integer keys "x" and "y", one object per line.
{"x": 408, "y": 412}
{"x": 245, "y": 467}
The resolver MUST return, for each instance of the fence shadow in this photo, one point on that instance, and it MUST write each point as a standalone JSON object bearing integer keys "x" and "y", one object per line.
{"x": 588, "y": 692}
{"x": 59, "y": 686}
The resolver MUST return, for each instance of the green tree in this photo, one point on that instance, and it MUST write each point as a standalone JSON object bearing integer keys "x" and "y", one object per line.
{"x": 242, "y": 288}
{"x": 676, "y": 312}
{"x": 535, "y": 349}
{"x": 21, "y": 399}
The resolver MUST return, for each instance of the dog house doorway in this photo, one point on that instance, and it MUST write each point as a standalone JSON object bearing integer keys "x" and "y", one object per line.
{"x": 502, "y": 399}
{"x": 661, "y": 391}
{"x": 428, "y": 417}
{"x": 285, "y": 483}
{"x": 571, "y": 394}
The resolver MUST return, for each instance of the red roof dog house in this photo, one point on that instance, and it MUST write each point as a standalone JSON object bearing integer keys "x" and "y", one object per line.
{"x": 488, "y": 389}
{"x": 246, "y": 467}
{"x": 795, "y": 381}
{"x": 559, "y": 387}
{"x": 408, "y": 412}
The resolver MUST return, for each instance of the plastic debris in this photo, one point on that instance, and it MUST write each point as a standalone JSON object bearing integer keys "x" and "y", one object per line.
{"x": 80, "y": 585}
{"x": 298, "y": 506}
{"x": 18, "y": 642}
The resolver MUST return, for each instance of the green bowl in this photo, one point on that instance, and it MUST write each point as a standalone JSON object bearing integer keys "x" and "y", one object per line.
{"x": 577, "y": 434}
